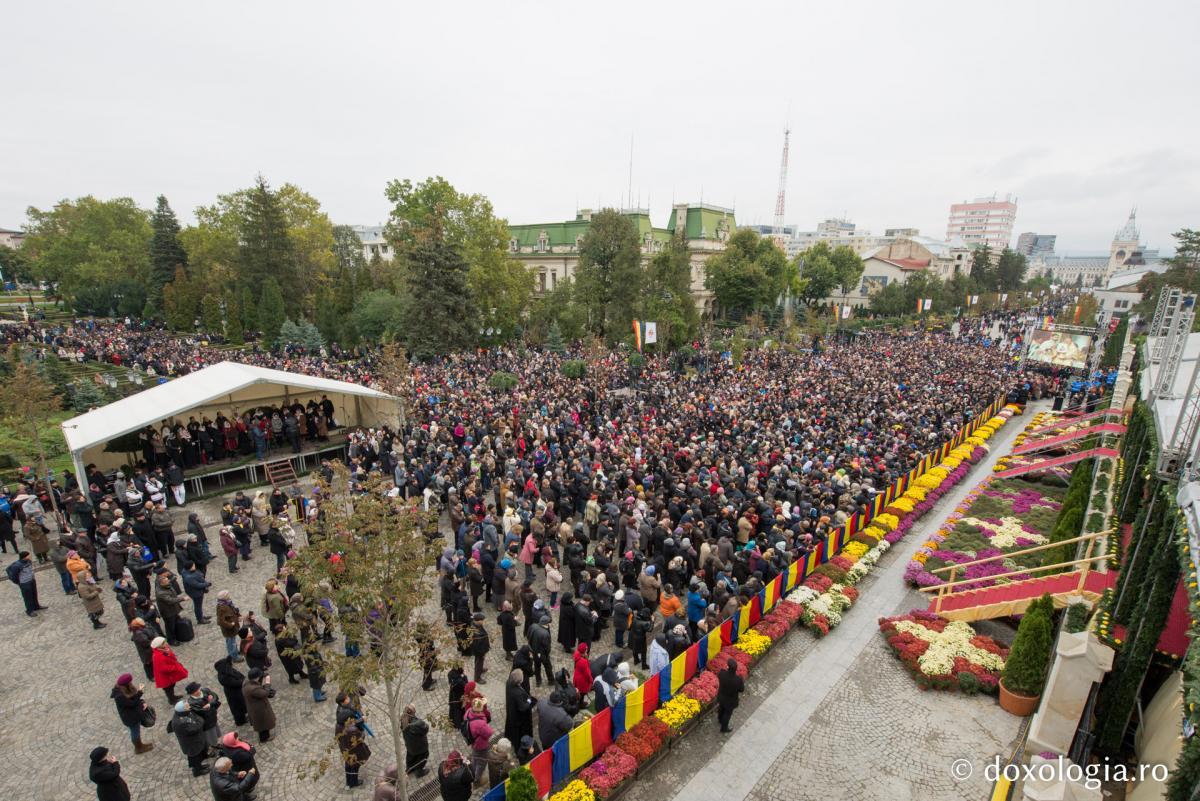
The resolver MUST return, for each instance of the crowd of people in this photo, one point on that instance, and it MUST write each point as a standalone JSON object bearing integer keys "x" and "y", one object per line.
{"x": 608, "y": 523}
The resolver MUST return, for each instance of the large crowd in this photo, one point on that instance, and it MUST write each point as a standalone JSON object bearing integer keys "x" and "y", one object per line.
{"x": 615, "y": 521}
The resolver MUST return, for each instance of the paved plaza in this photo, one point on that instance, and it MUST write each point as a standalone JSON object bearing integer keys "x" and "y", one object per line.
{"x": 836, "y": 718}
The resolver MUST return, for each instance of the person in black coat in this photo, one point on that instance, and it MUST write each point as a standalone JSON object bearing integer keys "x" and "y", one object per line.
{"x": 518, "y": 708}
{"x": 566, "y": 623}
{"x": 231, "y": 680}
{"x": 481, "y": 643}
{"x": 238, "y": 751}
{"x": 105, "y": 773}
{"x": 254, "y": 650}
{"x": 286, "y": 645}
{"x": 523, "y": 661}
{"x": 729, "y": 686}
{"x": 458, "y": 682}
{"x": 585, "y": 620}
{"x": 416, "y": 742}
{"x": 508, "y": 630}
{"x": 455, "y": 778}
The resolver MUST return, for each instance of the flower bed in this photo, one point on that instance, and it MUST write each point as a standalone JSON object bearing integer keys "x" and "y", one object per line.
{"x": 678, "y": 711}
{"x": 943, "y": 655}
{"x": 997, "y": 517}
{"x": 574, "y": 791}
{"x": 645, "y": 739}
{"x": 609, "y": 771}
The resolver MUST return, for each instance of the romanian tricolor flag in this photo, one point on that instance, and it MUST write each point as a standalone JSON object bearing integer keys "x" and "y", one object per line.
{"x": 814, "y": 558}
{"x": 770, "y": 593}
{"x": 586, "y": 741}
{"x": 497, "y": 792}
{"x": 727, "y": 632}
{"x": 880, "y": 502}
{"x": 710, "y": 646}
{"x": 682, "y": 668}
{"x": 793, "y": 576}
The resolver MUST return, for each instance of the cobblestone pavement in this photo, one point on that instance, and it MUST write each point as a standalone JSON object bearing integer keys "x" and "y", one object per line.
{"x": 57, "y": 673}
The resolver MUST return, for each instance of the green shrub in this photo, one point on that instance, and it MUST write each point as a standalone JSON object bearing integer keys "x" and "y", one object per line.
{"x": 521, "y": 785}
{"x": 1077, "y": 618}
{"x": 969, "y": 683}
{"x": 986, "y": 506}
{"x": 502, "y": 381}
{"x": 1095, "y": 522}
{"x": 1025, "y": 670}
{"x": 1101, "y": 483}
{"x": 574, "y": 368}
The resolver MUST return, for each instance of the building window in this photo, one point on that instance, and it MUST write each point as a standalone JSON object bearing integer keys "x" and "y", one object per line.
{"x": 579, "y": 242}
{"x": 513, "y": 247}
{"x": 541, "y": 282}
{"x": 543, "y": 242}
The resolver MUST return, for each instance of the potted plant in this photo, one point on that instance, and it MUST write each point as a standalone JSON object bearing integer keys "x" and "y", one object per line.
{"x": 1024, "y": 673}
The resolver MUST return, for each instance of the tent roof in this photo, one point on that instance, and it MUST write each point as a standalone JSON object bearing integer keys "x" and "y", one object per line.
{"x": 187, "y": 392}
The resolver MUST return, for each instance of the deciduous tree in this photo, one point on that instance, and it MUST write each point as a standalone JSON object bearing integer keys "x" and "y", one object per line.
{"x": 609, "y": 277}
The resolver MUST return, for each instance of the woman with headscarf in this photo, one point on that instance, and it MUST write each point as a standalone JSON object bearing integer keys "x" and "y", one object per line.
{"x": 518, "y": 708}
{"x": 239, "y": 752}
{"x": 454, "y": 778}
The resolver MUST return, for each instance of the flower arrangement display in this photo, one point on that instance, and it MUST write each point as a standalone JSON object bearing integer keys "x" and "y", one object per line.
{"x": 753, "y": 642}
{"x": 997, "y": 517}
{"x": 702, "y": 688}
{"x": 645, "y": 739}
{"x": 576, "y": 790}
{"x": 944, "y": 655}
{"x": 608, "y": 772}
{"x": 682, "y": 708}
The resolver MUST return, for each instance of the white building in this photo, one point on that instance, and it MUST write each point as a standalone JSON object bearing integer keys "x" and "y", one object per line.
{"x": 983, "y": 221}
{"x": 373, "y": 242}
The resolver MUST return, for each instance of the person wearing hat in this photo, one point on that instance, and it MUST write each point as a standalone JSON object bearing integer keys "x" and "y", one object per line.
{"x": 131, "y": 707}
{"x": 228, "y": 784}
{"x": 258, "y": 692}
{"x": 508, "y": 629}
{"x": 232, "y": 680}
{"x": 205, "y": 703}
{"x": 554, "y": 722}
{"x": 229, "y": 620}
{"x": 105, "y": 773}
{"x": 166, "y": 667}
{"x": 188, "y": 728}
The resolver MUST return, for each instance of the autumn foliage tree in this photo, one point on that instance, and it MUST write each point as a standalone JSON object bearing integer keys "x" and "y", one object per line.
{"x": 372, "y": 559}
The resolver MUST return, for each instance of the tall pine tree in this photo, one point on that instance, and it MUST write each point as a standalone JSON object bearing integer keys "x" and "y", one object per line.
{"x": 437, "y": 278}
{"x": 265, "y": 250}
{"x": 271, "y": 311}
{"x": 166, "y": 254}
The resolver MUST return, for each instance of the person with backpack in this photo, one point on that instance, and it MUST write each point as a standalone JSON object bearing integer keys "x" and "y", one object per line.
{"x": 20, "y": 573}
{"x": 478, "y": 734}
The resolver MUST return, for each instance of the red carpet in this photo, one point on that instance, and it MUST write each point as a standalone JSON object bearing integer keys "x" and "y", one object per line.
{"x": 1062, "y": 439}
{"x": 1020, "y": 590}
{"x": 1073, "y": 420}
{"x": 1070, "y": 458}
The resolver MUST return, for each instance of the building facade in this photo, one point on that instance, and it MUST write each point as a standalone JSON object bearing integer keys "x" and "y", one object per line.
{"x": 551, "y": 250}
{"x": 1125, "y": 254}
{"x": 373, "y": 242}
{"x": 983, "y": 221}
{"x": 11, "y": 238}
{"x": 1032, "y": 245}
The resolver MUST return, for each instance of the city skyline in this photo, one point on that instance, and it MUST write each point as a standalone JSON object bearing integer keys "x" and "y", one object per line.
{"x": 338, "y": 108}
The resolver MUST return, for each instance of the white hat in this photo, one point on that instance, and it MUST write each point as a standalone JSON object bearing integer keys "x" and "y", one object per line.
{"x": 158, "y": 642}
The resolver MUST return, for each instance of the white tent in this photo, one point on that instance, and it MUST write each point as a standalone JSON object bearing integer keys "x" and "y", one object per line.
{"x": 227, "y": 387}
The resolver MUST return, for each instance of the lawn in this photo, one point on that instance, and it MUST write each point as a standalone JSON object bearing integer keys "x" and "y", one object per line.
{"x": 17, "y": 449}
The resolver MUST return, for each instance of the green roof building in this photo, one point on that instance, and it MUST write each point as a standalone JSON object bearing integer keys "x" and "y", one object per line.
{"x": 551, "y": 250}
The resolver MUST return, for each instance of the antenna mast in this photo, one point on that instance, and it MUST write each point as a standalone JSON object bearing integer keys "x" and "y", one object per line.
{"x": 781, "y": 198}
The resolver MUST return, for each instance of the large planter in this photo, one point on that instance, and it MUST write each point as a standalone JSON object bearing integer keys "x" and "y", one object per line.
{"x": 1016, "y": 703}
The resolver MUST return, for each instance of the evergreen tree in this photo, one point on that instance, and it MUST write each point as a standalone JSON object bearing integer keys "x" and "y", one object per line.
{"x": 266, "y": 251}
{"x": 210, "y": 312}
{"x": 54, "y": 370}
{"x": 289, "y": 334}
{"x": 181, "y": 302}
{"x": 554, "y": 339}
{"x": 233, "y": 322}
{"x": 249, "y": 310}
{"x": 440, "y": 317}
{"x": 271, "y": 311}
{"x": 310, "y": 336}
{"x": 166, "y": 254}
{"x": 85, "y": 396}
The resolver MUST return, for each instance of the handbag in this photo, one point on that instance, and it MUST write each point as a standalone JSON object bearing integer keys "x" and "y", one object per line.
{"x": 149, "y": 716}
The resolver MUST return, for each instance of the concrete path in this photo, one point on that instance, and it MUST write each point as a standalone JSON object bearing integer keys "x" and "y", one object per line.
{"x": 747, "y": 754}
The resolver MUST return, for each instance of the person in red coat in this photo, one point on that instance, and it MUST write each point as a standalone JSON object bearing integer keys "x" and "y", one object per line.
{"x": 167, "y": 670}
{"x": 582, "y": 680}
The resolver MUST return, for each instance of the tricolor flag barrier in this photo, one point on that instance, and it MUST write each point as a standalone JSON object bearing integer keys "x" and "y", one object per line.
{"x": 588, "y": 740}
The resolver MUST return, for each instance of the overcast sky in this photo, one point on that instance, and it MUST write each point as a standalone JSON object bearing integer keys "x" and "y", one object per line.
{"x": 1081, "y": 109}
